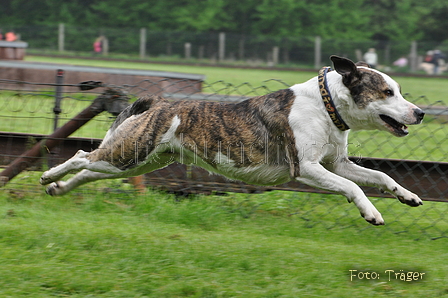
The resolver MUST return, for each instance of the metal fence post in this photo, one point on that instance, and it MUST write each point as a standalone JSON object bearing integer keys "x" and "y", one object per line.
{"x": 58, "y": 97}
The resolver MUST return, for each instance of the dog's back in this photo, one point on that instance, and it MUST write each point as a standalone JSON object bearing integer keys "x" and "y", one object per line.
{"x": 244, "y": 135}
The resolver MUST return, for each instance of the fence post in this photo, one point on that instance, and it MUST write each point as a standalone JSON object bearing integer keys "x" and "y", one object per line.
{"x": 413, "y": 56}
{"x": 61, "y": 37}
{"x": 387, "y": 54}
{"x": 275, "y": 53}
{"x": 58, "y": 97}
{"x": 142, "y": 43}
{"x": 222, "y": 46}
{"x": 241, "y": 43}
{"x": 201, "y": 53}
{"x": 317, "y": 52}
{"x": 187, "y": 50}
{"x": 105, "y": 46}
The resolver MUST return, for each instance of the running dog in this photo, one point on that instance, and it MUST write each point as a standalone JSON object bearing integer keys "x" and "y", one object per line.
{"x": 299, "y": 133}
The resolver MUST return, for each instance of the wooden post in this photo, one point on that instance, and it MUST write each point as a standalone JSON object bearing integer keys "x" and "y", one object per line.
{"x": 241, "y": 48}
{"x": 187, "y": 50}
{"x": 61, "y": 37}
{"x": 105, "y": 46}
{"x": 201, "y": 53}
{"x": 317, "y": 52}
{"x": 222, "y": 46}
{"x": 275, "y": 54}
{"x": 142, "y": 43}
{"x": 413, "y": 56}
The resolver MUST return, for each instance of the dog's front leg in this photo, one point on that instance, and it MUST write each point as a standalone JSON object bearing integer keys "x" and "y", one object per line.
{"x": 314, "y": 174}
{"x": 368, "y": 177}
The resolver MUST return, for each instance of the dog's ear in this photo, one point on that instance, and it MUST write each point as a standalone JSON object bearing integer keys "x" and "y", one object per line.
{"x": 346, "y": 68}
{"x": 362, "y": 63}
{"x": 343, "y": 66}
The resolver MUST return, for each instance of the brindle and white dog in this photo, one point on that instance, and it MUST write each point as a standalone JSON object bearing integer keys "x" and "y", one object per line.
{"x": 266, "y": 140}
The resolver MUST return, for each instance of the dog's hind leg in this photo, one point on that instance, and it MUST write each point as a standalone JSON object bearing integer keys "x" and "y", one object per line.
{"x": 96, "y": 170}
{"x": 78, "y": 162}
{"x": 85, "y": 176}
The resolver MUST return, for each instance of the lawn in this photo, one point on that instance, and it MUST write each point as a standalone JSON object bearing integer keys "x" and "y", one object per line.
{"x": 106, "y": 241}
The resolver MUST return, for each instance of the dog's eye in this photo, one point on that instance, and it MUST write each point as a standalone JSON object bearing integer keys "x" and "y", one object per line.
{"x": 388, "y": 92}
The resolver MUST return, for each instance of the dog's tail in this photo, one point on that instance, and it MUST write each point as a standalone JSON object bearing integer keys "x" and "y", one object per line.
{"x": 140, "y": 106}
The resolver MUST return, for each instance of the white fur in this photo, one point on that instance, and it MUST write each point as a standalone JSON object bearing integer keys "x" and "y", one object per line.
{"x": 323, "y": 147}
{"x": 169, "y": 136}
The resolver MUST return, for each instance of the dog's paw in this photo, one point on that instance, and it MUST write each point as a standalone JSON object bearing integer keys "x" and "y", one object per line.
{"x": 368, "y": 211}
{"x": 45, "y": 179}
{"x": 407, "y": 197}
{"x": 54, "y": 189}
{"x": 374, "y": 218}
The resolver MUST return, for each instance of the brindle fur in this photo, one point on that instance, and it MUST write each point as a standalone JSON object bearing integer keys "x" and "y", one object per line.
{"x": 206, "y": 129}
{"x": 366, "y": 87}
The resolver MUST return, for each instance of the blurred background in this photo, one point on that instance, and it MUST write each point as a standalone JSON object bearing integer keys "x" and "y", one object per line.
{"x": 282, "y": 33}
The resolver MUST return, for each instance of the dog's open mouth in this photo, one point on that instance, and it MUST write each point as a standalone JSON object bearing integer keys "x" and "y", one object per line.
{"x": 395, "y": 127}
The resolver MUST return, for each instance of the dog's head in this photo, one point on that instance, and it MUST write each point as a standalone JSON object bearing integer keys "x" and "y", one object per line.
{"x": 376, "y": 99}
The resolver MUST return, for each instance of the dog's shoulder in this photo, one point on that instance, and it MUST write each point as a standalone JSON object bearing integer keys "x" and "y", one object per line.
{"x": 273, "y": 102}
{"x": 273, "y": 107}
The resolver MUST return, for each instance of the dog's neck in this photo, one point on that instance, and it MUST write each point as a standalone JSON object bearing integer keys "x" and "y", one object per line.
{"x": 328, "y": 100}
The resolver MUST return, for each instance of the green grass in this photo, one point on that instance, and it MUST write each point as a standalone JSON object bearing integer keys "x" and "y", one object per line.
{"x": 109, "y": 242}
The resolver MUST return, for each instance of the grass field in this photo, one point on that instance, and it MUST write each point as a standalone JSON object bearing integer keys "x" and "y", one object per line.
{"x": 105, "y": 241}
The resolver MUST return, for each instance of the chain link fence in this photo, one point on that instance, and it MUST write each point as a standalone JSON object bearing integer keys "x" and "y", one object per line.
{"x": 418, "y": 162}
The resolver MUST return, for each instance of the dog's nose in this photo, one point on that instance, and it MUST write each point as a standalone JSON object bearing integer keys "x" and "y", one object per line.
{"x": 419, "y": 114}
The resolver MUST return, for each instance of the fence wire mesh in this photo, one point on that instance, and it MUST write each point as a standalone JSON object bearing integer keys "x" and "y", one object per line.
{"x": 417, "y": 162}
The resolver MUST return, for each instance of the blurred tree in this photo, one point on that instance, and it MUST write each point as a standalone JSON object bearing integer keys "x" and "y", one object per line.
{"x": 395, "y": 20}
{"x": 434, "y": 22}
{"x": 342, "y": 19}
